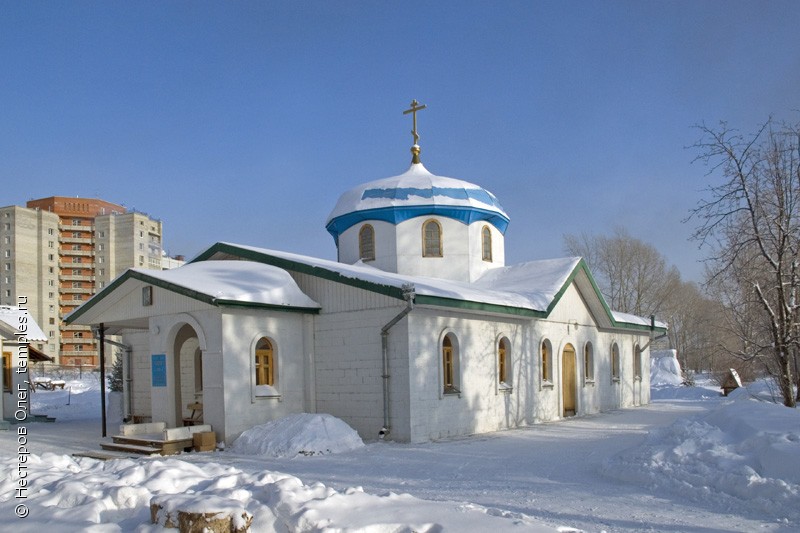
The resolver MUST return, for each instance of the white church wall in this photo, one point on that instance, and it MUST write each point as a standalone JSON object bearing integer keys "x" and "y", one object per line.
{"x": 167, "y": 404}
{"x": 605, "y": 392}
{"x": 246, "y": 405}
{"x": 461, "y": 246}
{"x": 385, "y": 245}
{"x": 349, "y": 368}
{"x": 477, "y": 266}
{"x": 336, "y": 297}
{"x": 139, "y": 342}
{"x": 646, "y": 362}
{"x": 348, "y": 358}
{"x": 130, "y": 306}
{"x": 480, "y": 406}
{"x": 455, "y": 261}
{"x": 569, "y": 323}
{"x": 348, "y": 363}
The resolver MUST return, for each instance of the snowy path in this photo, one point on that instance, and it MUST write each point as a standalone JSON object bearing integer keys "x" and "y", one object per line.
{"x": 550, "y": 472}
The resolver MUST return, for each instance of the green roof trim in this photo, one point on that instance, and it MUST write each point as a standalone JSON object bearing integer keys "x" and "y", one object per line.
{"x": 179, "y": 289}
{"x": 440, "y": 301}
{"x": 583, "y": 267}
{"x": 91, "y": 302}
{"x": 257, "y": 305}
{"x": 297, "y": 266}
{"x": 420, "y": 299}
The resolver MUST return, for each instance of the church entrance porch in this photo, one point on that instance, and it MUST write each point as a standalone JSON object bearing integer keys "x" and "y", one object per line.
{"x": 188, "y": 367}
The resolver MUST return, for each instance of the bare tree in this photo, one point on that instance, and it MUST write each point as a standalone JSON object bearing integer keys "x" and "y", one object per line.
{"x": 691, "y": 316}
{"x": 632, "y": 275}
{"x": 750, "y": 221}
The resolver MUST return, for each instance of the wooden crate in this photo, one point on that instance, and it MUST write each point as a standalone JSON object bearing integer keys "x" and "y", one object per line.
{"x": 204, "y": 441}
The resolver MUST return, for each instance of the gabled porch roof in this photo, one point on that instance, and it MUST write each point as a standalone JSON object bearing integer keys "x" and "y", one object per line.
{"x": 217, "y": 283}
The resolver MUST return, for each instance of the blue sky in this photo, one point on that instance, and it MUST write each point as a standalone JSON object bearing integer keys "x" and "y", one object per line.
{"x": 244, "y": 121}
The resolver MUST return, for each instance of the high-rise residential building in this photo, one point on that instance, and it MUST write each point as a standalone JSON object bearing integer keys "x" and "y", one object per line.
{"x": 58, "y": 251}
{"x": 123, "y": 241}
{"x": 29, "y": 267}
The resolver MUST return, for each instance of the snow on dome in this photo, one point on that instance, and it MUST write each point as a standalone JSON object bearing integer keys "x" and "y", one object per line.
{"x": 415, "y": 193}
{"x": 301, "y": 434}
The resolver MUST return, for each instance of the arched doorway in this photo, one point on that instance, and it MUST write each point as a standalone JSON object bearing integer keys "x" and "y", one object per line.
{"x": 569, "y": 381}
{"x": 188, "y": 368}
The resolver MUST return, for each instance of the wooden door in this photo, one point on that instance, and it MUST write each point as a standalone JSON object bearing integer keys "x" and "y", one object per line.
{"x": 569, "y": 381}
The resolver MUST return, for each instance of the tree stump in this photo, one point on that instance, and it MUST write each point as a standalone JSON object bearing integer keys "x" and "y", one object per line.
{"x": 193, "y": 514}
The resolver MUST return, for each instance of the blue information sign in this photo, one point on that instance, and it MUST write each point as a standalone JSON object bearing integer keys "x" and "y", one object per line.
{"x": 159, "y": 368}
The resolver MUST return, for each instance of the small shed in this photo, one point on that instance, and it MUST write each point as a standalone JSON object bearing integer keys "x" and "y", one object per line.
{"x": 17, "y": 330}
{"x": 731, "y": 382}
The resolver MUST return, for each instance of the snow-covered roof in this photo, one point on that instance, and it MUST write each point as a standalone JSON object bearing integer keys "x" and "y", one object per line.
{"x": 237, "y": 281}
{"x": 18, "y": 323}
{"x": 235, "y": 274}
{"x": 530, "y": 289}
{"x": 415, "y": 193}
{"x": 218, "y": 283}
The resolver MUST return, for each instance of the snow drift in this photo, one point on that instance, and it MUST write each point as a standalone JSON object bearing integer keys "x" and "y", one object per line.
{"x": 302, "y": 434}
{"x": 741, "y": 454}
{"x": 665, "y": 369}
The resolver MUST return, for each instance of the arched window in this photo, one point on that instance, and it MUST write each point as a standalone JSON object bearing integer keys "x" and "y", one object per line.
{"x": 265, "y": 363}
{"x": 486, "y": 244}
{"x": 503, "y": 363}
{"x": 614, "y": 361}
{"x": 637, "y": 362}
{"x": 547, "y": 361}
{"x": 588, "y": 362}
{"x": 450, "y": 374}
{"x": 366, "y": 243}
{"x": 431, "y": 239}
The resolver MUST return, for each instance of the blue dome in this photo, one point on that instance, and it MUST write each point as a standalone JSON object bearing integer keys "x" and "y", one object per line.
{"x": 415, "y": 193}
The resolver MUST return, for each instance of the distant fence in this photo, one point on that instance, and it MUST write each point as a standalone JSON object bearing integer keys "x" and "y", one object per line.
{"x": 64, "y": 372}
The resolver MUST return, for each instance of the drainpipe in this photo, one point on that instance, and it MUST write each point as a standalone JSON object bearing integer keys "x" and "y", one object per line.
{"x": 652, "y": 333}
{"x": 408, "y": 296}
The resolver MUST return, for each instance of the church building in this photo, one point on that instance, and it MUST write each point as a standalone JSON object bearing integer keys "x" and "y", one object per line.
{"x": 419, "y": 331}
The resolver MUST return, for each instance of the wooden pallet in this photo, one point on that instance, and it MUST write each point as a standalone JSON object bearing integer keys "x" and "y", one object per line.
{"x": 105, "y": 456}
{"x": 132, "y": 448}
{"x": 146, "y": 445}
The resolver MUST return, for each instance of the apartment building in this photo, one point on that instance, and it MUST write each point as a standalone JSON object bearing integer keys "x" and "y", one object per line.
{"x": 59, "y": 251}
{"x": 29, "y": 267}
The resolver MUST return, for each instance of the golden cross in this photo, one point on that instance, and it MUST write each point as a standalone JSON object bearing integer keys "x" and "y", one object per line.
{"x": 414, "y": 108}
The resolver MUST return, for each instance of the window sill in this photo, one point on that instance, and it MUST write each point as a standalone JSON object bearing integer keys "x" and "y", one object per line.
{"x": 266, "y": 392}
{"x": 615, "y": 380}
{"x": 589, "y": 383}
{"x": 547, "y": 385}
{"x": 451, "y": 391}
{"x": 268, "y": 397}
{"x": 505, "y": 388}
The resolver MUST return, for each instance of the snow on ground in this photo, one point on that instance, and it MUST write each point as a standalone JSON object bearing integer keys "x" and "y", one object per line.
{"x": 687, "y": 462}
{"x": 742, "y": 454}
